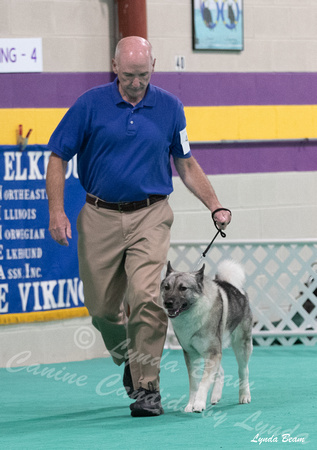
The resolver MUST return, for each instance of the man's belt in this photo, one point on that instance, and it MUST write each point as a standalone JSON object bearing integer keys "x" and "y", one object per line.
{"x": 124, "y": 206}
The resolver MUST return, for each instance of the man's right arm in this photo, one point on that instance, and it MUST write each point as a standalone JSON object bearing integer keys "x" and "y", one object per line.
{"x": 59, "y": 226}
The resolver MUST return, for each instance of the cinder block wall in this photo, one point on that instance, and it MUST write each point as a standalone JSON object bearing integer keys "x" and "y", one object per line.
{"x": 264, "y": 206}
{"x": 79, "y": 35}
{"x": 280, "y": 35}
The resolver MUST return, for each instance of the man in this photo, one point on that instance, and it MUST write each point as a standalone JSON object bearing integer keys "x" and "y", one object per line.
{"x": 124, "y": 134}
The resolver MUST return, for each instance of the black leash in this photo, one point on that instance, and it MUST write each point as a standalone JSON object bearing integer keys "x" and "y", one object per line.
{"x": 223, "y": 235}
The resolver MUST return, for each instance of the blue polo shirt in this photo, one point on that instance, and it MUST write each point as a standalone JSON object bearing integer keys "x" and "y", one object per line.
{"x": 123, "y": 151}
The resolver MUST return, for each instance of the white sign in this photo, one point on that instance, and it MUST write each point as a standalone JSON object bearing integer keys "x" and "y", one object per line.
{"x": 21, "y": 55}
{"x": 179, "y": 62}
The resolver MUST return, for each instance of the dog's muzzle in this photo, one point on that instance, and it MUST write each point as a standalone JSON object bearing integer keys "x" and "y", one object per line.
{"x": 174, "y": 312}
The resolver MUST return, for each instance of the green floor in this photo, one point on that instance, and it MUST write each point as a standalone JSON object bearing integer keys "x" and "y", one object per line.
{"x": 82, "y": 405}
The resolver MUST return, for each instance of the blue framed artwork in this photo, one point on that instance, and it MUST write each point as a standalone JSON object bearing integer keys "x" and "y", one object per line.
{"x": 217, "y": 24}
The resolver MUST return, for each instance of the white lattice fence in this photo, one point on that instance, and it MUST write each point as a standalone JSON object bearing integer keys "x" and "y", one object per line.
{"x": 281, "y": 283}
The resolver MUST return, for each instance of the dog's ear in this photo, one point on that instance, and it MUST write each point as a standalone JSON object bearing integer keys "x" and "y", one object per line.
{"x": 169, "y": 269}
{"x": 200, "y": 276}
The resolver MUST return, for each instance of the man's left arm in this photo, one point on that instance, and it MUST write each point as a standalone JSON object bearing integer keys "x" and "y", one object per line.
{"x": 197, "y": 182}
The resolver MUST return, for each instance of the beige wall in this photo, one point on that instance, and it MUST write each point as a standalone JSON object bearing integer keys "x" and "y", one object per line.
{"x": 264, "y": 206}
{"x": 79, "y": 35}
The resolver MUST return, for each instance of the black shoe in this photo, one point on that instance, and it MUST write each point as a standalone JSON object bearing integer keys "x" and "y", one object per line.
{"x": 127, "y": 381}
{"x": 148, "y": 403}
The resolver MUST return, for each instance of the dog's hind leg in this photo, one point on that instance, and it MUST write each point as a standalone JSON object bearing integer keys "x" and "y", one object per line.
{"x": 242, "y": 345}
{"x": 193, "y": 363}
{"x": 218, "y": 386}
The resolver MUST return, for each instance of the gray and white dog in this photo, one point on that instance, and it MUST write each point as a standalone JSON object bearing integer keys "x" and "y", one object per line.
{"x": 206, "y": 315}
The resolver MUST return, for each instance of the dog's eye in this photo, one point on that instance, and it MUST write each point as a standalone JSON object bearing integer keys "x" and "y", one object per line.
{"x": 183, "y": 288}
{"x": 166, "y": 287}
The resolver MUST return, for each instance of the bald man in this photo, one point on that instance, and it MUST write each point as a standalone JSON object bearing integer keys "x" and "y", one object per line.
{"x": 124, "y": 134}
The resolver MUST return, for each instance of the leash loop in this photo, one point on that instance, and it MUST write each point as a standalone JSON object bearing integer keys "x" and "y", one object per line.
{"x": 219, "y": 231}
{"x": 213, "y": 218}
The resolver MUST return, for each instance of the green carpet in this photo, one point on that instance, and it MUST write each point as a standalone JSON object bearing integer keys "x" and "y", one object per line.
{"x": 82, "y": 405}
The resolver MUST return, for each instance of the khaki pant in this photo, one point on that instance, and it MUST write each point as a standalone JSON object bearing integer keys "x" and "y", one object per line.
{"x": 121, "y": 257}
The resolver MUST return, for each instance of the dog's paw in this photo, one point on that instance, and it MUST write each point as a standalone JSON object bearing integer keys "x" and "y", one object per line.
{"x": 215, "y": 398}
{"x": 199, "y": 406}
{"x": 245, "y": 397}
{"x": 189, "y": 408}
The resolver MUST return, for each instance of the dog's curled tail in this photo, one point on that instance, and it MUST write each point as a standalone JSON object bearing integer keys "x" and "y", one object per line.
{"x": 231, "y": 272}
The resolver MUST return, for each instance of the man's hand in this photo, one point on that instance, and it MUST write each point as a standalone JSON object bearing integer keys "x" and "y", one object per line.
{"x": 60, "y": 228}
{"x": 221, "y": 217}
{"x": 59, "y": 225}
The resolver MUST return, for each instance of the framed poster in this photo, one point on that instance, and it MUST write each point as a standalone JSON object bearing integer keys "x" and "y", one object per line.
{"x": 217, "y": 24}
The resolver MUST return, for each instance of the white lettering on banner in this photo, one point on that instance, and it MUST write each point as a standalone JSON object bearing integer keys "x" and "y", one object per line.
{"x": 4, "y": 305}
{"x": 72, "y": 168}
{"x": 15, "y": 273}
{"x": 13, "y": 169}
{"x": 32, "y": 272}
{"x": 19, "y": 214}
{"x": 24, "y": 194}
{"x": 68, "y": 293}
{"x": 23, "y": 234}
{"x": 24, "y": 272}
{"x": 24, "y": 253}
{"x": 15, "y": 172}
